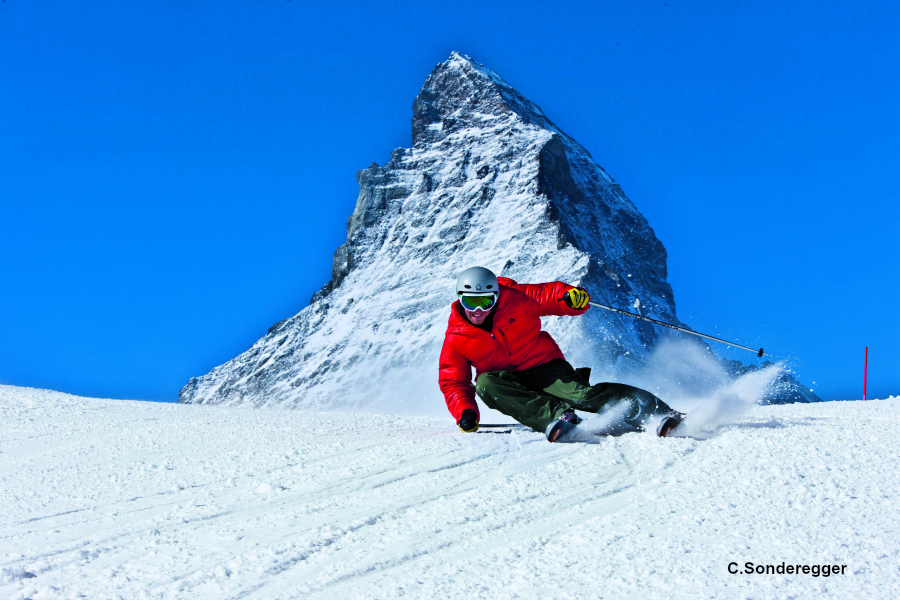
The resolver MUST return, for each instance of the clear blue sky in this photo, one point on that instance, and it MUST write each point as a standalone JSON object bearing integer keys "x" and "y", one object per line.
{"x": 175, "y": 179}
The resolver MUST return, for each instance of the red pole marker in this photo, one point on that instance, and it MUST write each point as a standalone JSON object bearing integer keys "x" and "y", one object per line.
{"x": 865, "y": 372}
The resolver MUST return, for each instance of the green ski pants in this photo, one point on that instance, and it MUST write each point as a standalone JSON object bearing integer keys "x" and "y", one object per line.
{"x": 537, "y": 397}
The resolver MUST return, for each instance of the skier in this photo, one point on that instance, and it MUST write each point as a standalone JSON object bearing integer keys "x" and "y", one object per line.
{"x": 495, "y": 326}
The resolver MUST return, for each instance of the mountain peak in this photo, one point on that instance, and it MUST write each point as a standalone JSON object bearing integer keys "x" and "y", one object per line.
{"x": 460, "y": 59}
{"x": 461, "y": 93}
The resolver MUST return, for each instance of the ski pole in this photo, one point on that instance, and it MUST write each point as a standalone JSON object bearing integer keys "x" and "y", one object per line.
{"x": 759, "y": 352}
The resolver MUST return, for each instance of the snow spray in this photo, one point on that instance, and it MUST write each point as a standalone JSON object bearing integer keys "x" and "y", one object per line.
{"x": 609, "y": 421}
{"x": 690, "y": 378}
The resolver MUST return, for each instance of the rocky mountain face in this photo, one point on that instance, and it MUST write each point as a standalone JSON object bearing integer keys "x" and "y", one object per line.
{"x": 489, "y": 181}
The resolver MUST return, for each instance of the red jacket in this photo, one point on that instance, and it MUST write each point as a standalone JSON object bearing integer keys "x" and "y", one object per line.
{"x": 516, "y": 342}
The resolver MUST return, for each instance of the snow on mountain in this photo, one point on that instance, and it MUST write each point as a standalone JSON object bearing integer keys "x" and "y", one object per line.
{"x": 119, "y": 499}
{"x": 489, "y": 181}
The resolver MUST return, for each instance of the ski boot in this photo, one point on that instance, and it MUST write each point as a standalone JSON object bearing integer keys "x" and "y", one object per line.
{"x": 563, "y": 425}
{"x": 669, "y": 422}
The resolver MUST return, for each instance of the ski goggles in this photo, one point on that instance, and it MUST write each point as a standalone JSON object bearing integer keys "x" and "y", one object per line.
{"x": 473, "y": 303}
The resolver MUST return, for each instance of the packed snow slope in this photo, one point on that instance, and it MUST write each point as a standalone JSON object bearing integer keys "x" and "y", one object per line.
{"x": 489, "y": 181}
{"x": 114, "y": 499}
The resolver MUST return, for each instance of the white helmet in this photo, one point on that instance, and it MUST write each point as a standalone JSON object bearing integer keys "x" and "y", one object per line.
{"x": 477, "y": 281}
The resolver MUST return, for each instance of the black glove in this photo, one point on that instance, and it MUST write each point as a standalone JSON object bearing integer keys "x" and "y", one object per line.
{"x": 577, "y": 298}
{"x": 468, "y": 422}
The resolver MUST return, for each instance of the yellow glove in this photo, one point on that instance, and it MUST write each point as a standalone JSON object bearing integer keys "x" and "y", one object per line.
{"x": 468, "y": 422}
{"x": 577, "y": 298}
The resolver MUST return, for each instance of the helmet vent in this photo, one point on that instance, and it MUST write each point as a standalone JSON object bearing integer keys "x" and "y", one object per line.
{"x": 468, "y": 287}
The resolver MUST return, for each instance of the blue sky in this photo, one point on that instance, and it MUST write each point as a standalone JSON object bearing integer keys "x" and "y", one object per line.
{"x": 175, "y": 177}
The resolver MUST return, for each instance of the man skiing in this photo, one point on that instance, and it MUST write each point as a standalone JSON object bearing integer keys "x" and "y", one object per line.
{"x": 495, "y": 326}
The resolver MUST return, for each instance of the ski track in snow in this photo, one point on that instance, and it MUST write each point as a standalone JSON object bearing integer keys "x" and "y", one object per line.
{"x": 121, "y": 499}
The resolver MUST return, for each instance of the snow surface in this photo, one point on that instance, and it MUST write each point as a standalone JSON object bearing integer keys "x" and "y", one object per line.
{"x": 121, "y": 499}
